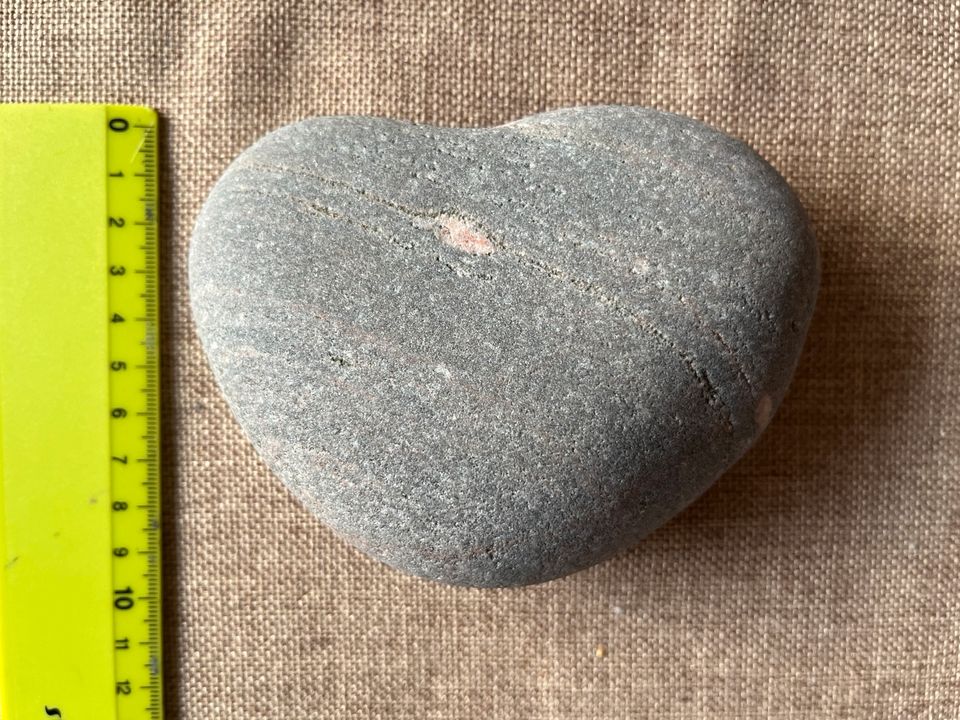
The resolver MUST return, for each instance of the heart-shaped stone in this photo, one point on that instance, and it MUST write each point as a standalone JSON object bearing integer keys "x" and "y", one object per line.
{"x": 496, "y": 356}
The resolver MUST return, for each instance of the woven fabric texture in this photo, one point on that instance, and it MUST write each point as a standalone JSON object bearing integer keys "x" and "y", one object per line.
{"x": 819, "y": 578}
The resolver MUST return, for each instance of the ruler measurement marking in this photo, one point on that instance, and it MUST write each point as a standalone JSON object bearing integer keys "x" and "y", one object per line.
{"x": 138, "y": 391}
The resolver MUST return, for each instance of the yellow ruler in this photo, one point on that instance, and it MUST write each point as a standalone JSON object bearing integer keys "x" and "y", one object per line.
{"x": 79, "y": 420}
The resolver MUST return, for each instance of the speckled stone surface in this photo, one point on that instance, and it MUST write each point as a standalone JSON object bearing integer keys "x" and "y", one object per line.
{"x": 496, "y": 356}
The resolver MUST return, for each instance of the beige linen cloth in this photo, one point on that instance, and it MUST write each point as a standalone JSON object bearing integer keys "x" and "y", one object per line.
{"x": 819, "y": 579}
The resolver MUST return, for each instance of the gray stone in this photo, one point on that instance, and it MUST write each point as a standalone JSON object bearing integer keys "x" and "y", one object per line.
{"x": 496, "y": 356}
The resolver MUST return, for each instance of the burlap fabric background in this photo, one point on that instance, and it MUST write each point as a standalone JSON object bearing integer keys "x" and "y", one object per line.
{"x": 820, "y": 578}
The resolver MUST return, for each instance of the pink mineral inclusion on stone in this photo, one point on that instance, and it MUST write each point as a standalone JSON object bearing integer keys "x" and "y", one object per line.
{"x": 457, "y": 233}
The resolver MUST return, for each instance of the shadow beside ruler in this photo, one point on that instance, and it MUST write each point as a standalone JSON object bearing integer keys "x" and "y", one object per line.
{"x": 79, "y": 413}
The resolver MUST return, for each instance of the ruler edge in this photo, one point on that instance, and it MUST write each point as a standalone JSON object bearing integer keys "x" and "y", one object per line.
{"x": 154, "y": 368}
